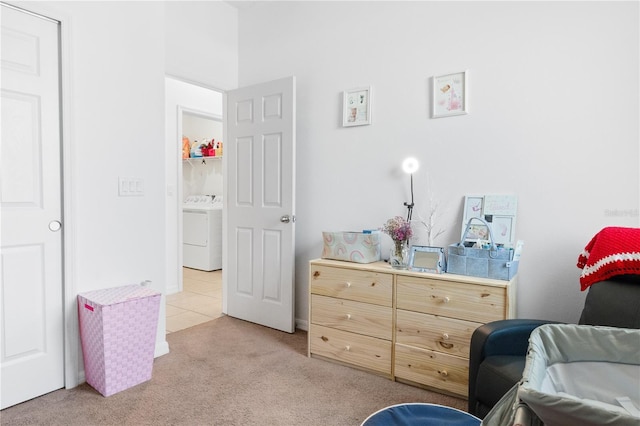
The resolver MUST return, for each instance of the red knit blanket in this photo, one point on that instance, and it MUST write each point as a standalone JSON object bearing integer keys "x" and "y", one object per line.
{"x": 612, "y": 251}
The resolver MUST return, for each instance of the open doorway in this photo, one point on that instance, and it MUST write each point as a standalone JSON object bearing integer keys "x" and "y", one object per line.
{"x": 200, "y": 300}
{"x": 195, "y": 179}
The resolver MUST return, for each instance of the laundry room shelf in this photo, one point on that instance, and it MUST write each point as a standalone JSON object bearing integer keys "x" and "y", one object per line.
{"x": 193, "y": 160}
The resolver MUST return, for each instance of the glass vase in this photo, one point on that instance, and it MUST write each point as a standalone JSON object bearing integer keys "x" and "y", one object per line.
{"x": 399, "y": 255}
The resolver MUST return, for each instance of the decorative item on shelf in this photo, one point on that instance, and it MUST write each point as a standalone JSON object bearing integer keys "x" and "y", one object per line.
{"x": 186, "y": 147}
{"x": 196, "y": 151}
{"x": 400, "y": 232}
{"x": 410, "y": 165}
{"x": 210, "y": 151}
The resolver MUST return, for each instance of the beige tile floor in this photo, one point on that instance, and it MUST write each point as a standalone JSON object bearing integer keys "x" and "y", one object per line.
{"x": 199, "y": 301}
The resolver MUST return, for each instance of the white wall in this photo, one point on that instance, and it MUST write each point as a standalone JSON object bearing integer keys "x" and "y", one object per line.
{"x": 118, "y": 121}
{"x": 113, "y": 100}
{"x": 202, "y": 42}
{"x": 116, "y": 55}
{"x": 553, "y": 119}
{"x": 202, "y": 176}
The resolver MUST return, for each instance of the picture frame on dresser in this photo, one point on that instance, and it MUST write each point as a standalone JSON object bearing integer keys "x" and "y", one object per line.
{"x": 500, "y": 211}
{"x": 427, "y": 259}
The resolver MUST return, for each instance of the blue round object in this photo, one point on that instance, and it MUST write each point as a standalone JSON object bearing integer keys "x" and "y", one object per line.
{"x": 420, "y": 414}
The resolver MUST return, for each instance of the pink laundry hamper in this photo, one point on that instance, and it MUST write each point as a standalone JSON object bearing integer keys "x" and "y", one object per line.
{"x": 118, "y": 333}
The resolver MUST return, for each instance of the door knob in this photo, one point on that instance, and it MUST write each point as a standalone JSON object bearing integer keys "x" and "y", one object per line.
{"x": 55, "y": 225}
{"x": 286, "y": 218}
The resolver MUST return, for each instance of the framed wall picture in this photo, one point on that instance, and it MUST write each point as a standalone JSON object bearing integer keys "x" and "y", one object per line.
{"x": 427, "y": 259}
{"x": 356, "y": 107}
{"x": 450, "y": 93}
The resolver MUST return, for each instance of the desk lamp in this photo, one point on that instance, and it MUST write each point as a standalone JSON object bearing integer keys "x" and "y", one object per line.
{"x": 410, "y": 165}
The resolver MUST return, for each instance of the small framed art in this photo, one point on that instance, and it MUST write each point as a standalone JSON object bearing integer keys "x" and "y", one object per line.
{"x": 450, "y": 93}
{"x": 498, "y": 210}
{"x": 427, "y": 259}
{"x": 356, "y": 107}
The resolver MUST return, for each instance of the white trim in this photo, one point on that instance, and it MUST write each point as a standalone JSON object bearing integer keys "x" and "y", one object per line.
{"x": 302, "y": 324}
{"x": 225, "y": 194}
{"x": 28, "y": 12}
{"x": 195, "y": 83}
{"x": 162, "y": 348}
{"x": 176, "y": 165}
{"x": 72, "y": 330}
{"x": 181, "y": 109}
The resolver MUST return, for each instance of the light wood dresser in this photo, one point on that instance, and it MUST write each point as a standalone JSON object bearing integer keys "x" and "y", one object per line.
{"x": 409, "y": 326}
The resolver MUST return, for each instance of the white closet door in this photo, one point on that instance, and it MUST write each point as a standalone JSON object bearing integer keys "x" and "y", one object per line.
{"x": 31, "y": 317}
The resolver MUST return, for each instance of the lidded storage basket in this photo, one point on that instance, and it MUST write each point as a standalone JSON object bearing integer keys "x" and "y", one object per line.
{"x": 118, "y": 333}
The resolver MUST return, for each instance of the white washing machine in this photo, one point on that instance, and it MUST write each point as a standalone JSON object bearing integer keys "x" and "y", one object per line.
{"x": 202, "y": 232}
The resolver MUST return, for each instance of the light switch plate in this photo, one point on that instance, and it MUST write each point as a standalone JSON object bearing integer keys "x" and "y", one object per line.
{"x": 130, "y": 186}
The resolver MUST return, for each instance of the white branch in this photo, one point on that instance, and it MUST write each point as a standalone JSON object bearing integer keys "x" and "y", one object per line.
{"x": 430, "y": 224}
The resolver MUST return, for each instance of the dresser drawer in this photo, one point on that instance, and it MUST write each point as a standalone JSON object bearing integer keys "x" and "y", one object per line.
{"x": 447, "y": 372}
{"x": 442, "y": 334}
{"x": 363, "y": 351}
{"x": 356, "y": 317}
{"x": 359, "y": 285}
{"x": 478, "y": 303}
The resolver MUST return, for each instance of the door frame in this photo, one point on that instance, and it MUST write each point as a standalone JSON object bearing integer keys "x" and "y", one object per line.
{"x": 174, "y": 185}
{"x": 182, "y": 109}
{"x": 72, "y": 353}
{"x": 71, "y": 337}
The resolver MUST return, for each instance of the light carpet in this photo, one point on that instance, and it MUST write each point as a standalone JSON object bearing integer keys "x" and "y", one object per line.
{"x": 231, "y": 372}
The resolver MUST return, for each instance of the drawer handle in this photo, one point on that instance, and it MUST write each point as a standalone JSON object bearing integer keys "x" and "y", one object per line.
{"x": 443, "y": 373}
{"x": 348, "y": 284}
{"x": 348, "y": 316}
{"x": 347, "y": 348}
{"x": 446, "y": 345}
{"x": 445, "y": 336}
{"x": 446, "y": 299}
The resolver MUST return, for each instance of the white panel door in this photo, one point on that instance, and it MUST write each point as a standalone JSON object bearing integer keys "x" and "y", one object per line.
{"x": 260, "y": 186}
{"x": 31, "y": 308}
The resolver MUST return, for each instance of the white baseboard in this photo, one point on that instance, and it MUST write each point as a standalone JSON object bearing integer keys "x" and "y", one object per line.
{"x": 172, "y": 289}
{"x": 302, "y": 324}
{"x": 162, "y": 348}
